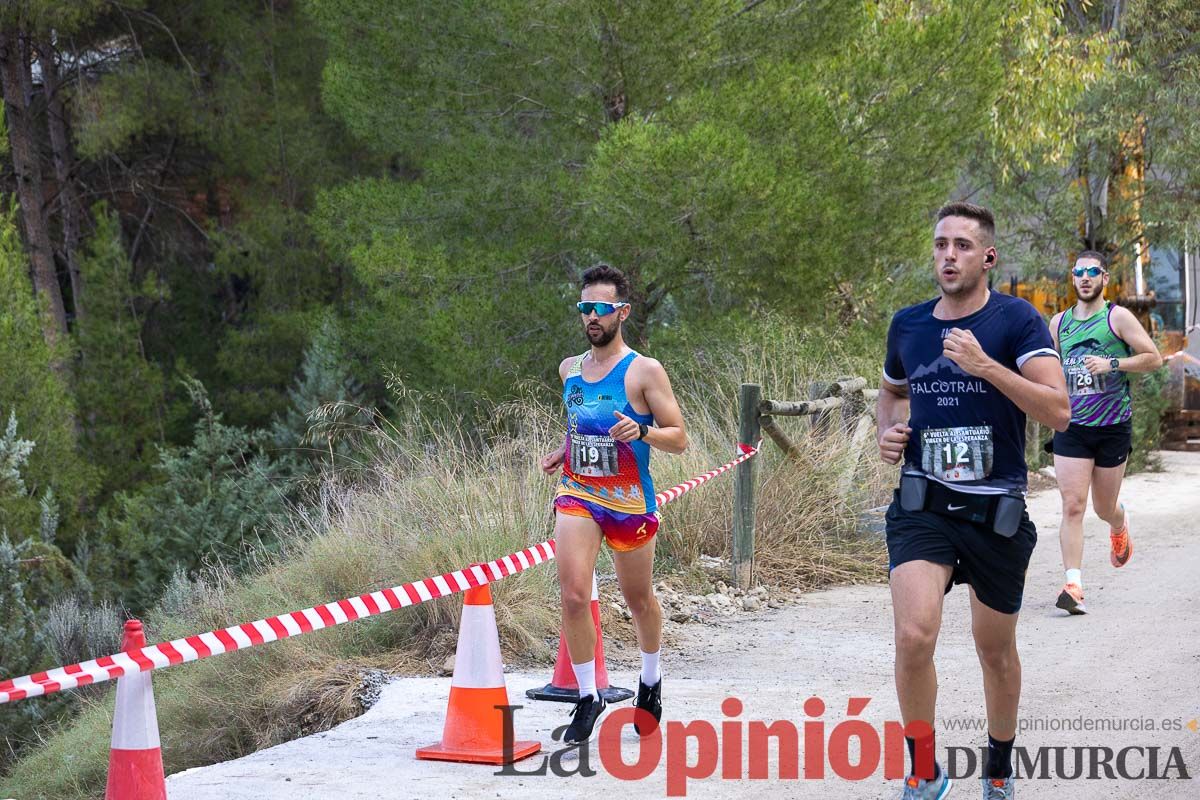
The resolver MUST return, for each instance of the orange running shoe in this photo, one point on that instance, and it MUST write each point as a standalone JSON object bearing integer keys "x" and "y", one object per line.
{"x": 1070, "y": 599}
{"x": 1121, "y": 545}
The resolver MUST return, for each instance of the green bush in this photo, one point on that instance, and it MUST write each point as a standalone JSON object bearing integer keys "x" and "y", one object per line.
{"x": 1150, "y": 403}
{"x": 215, "y": 501}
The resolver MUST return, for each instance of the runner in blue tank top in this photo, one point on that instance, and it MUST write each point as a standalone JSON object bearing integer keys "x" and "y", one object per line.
{"x": 619, "y": 405}
{"x": 961, "y": 373}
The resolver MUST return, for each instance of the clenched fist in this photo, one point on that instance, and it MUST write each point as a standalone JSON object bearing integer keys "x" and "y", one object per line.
{"x": 892, "y": 443}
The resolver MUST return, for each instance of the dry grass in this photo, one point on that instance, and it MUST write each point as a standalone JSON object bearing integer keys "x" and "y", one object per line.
{"x": 427, "y": 495}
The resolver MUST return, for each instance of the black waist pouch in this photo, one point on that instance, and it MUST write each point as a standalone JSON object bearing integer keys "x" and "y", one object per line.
{"x": 1000, "y": 512}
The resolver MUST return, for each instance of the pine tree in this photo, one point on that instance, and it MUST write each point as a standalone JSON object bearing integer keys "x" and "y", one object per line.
{"x": 120, "y": 393}
{"x": 324, "y": 380}
{"x": 214, "y": 500}
{"x": 34, "y": 393}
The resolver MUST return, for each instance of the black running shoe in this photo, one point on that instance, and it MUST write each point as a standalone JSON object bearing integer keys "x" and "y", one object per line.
{"x": 649, "y": 699}
{"x": 583, "y": 718}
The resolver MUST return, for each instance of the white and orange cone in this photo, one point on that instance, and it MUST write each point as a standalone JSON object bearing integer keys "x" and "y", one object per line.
{"x": 563, "y": 687}
{"x": 475, "y": 729}
{"x": 135, "y": 766}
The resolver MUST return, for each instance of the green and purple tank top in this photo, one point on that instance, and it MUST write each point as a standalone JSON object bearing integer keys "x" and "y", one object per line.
{"x": 1095, "y": 399}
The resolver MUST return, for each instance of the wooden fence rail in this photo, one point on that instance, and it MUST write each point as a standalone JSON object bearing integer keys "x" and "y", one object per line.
{"x": 854, "y": 404}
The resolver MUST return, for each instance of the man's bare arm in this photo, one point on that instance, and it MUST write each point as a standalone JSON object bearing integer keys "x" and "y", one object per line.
{"x": 1146, "y": 357}
{"x": 1040, "y": 389}
{"x": 668, "y": 433}
{"x": 891, "y": 416}
{"x": 553, "y": 461}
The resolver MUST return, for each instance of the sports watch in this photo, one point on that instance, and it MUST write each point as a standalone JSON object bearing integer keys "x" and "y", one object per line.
{"x": 1115, "y": 363}
{"x": 642, "y": 428}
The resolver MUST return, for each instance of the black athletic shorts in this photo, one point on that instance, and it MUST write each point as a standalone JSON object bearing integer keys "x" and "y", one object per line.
{"x": 992, "y": 564}
{"x": 1107, "y": 445}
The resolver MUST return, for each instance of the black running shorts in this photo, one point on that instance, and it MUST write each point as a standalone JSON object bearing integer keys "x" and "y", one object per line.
{"x": 992, "y": 564}
{"x": 1107, "y": 445}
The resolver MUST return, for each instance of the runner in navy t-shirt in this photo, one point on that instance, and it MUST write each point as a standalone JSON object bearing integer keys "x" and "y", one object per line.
{"x": 962, "y": 371}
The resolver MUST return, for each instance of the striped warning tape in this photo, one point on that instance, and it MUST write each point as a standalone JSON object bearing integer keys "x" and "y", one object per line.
{"x": 675, "y": 492}
{"x": 239, "y": 637}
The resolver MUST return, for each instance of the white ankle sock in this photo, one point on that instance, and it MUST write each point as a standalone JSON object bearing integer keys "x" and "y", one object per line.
{"x": 651, "y": 674}
{"x": 1076, "y": 577}
{"x": 585, "y": 676}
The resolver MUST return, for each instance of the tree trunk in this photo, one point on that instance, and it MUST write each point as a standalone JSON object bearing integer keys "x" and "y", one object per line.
{"x": 64, "y": 163}
{"x": 14, "y": 69}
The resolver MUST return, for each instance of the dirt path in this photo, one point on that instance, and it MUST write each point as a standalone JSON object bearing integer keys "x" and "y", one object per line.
{"x": 1134, "y": 659}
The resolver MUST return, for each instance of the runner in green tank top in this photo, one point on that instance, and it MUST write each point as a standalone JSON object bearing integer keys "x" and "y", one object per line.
{"x": 1100, "y": 344}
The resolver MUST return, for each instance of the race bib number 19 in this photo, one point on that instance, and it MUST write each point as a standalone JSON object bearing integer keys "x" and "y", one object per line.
{"x": 593, "y": 456}
{"x": 957, "y": 454}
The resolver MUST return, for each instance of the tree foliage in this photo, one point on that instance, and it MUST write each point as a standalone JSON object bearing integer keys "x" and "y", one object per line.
{"x": 215, "y": 500}
{"x": 121, "y": 392}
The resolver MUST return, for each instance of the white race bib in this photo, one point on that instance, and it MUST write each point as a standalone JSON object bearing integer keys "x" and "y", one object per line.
{"x": 593, "y": 456}
{"x": 1081, "y": 383}
{"x": 957, "y": 454}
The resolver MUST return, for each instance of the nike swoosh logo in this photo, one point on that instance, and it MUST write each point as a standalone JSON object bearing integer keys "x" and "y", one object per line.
{"x": 955, "y": 508}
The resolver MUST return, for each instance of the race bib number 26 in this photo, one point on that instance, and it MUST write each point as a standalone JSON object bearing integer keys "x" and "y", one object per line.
{"x": 1081, "y": 383}
{"x": 957, "y": 454}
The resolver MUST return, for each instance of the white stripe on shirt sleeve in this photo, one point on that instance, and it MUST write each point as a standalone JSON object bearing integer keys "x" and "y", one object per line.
{"x": 893, "y": 381}
{"x": 1041, "y": 351}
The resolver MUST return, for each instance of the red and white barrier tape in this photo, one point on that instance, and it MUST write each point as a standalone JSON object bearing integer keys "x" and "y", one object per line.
{"x": 239, "y": 637}
{"x": 675, "y": 492}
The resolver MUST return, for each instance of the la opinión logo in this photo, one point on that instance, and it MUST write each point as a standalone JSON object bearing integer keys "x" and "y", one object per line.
{"x": 853, "y": 749}
{"x": 738, "y": 748}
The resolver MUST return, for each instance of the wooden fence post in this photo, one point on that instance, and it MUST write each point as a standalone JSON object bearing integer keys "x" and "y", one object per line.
{"x": 819, "y": 423}
{"x": 742, "y": 561}
{"x": 860, "y": 424}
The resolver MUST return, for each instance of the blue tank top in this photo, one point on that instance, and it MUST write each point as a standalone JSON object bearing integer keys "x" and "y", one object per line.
{"x": 598, "y": 468}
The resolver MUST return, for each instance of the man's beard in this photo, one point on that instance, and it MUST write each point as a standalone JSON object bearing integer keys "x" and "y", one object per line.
{"x": 964, "y": 286}
{"x": 601, "y": 337}
{"x": 1087, "y": 298}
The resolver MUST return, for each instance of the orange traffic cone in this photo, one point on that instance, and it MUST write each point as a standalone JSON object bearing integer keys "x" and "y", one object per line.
{"x": 563, "y": 687}
{"x": 135, "y": 767}
{"x": 475, "y": 728}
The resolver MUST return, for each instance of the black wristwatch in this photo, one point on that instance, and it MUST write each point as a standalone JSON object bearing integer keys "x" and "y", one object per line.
{"x": 1115, "y": 363}
{"x": 642, "y": 428}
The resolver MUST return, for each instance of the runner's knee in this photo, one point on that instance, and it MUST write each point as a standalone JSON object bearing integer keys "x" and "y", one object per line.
{"x": 1074, "y": 507}
{"x": 576, "y": 599}
{"x": 640, "y": 602}
{"x": 1105, "y": 511}
{"x": 998, "y": 657}
{"x": 915, "y": 641}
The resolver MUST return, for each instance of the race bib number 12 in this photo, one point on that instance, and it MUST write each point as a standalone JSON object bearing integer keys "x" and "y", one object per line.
{"x": 957, "y": 454}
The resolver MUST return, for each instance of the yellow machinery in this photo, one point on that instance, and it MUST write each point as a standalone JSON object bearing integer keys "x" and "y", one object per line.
{"x": 1171, "y": 321}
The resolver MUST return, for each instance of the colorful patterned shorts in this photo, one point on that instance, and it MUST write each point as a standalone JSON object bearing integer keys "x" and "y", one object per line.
{"x": 623, "y": 532}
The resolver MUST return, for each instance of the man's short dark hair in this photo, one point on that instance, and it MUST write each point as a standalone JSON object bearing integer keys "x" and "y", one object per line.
{"x": 1096, "y": 254}
{"x": 604, "y": 273}
{"x": 987, "y": 222}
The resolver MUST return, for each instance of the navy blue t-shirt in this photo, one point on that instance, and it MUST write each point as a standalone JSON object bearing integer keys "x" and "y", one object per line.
{"x": 965, "y": 432}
